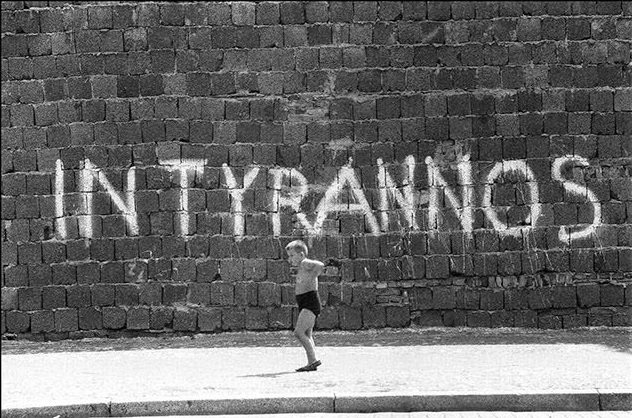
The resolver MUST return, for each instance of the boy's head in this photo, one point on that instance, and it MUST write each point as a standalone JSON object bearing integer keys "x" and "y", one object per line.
{"x": 296, "y": 251}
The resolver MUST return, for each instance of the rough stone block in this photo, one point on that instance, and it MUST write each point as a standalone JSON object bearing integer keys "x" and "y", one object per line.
{"x": 540, "y": 298}
{"x": 30, "y": 298}
{"x": 185, "y": 320}
{"x": 374, "y": 316}
{"x": 78, "y": 296}
{"x": 350, "y": 317}
{"x": 90, "y": 318}
{"x": 443, "y": 298}
{"x": 478, "y": 319}
{"x": 233, "y": 319}
{"x": 209, "y": 319}
{"x": 256, "y": 318}
{"x": 574, "y": 321}
{"x": 427, "y": 318}
{"x": 42, "y": 321}
{"x": 564, "y": 297}
{"x": 526, "y": 319}
{"x": 612, "y": 295}
{"x": 138, "y": 318}
{"x": 160, "y": 317}
{"x": 502, "y": 319}
{"x": 397, "y": 316}
{"x": 66, "y": 320}
{"x": 491, "y": 300}
{"x": 174, "y": 293}
{"x": 549, "y": 322}
{"x": 17, "y": 322}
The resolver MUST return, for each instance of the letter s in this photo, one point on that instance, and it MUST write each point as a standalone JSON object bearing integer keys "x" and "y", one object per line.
{"x": 580, "y": 190}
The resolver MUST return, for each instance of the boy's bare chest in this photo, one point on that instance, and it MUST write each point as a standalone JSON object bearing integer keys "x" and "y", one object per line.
{"x": 305, "y": 278}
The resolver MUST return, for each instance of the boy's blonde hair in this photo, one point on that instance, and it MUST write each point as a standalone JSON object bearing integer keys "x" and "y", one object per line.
{"x": 297, "y": 245}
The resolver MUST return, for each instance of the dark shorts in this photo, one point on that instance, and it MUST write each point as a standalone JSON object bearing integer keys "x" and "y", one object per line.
{"x": 309, "y": 300}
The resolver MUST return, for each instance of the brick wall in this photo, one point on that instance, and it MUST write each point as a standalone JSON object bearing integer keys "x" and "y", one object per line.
{"x": 466, "y": 163}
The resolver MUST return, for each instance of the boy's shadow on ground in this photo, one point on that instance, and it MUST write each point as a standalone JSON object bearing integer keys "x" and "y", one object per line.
{"x": 268, "y": 374}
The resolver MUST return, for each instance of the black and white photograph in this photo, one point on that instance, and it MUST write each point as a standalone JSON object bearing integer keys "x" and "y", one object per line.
{"x": 355, "y": 209}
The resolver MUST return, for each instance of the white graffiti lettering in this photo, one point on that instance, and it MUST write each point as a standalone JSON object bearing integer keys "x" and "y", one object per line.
{"x": 345, "y": 194}
{"x": 581, "y": 190}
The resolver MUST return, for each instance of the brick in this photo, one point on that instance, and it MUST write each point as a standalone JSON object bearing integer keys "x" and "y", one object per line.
{"x": 267, "y": 13}
{"x": 443, "y": 298}
{"x": 199, "y": 294}
{"x": 374, "y": 316}
{"x": 454, "y": 318}
{"x": 540, "y": 298}
{"x": 17, "y": 322}
{"x": 160, "y": 317}
{"x": 564, "y": 297}
{"x": 350, "y": 317}
{"x": 413, "y": 10}
{"x": 222, "y": 293}
{"x": 606, "y": 261}
{"x": 574, "y": 321}
{"x": 150, "y": 294}
{"x": 9, "y": 299}
{"x": 340, "y": 11}
{"x": 103, "y": 295}
{"x": 30, "y": 299}
{"x": 612, "y": 295}
{"x": 78, "y": 296}
{"x": 184, "y": 320}
{"x": 501, "y": 319}
{"x": 428, "y": 319}
{"x": 397, "y": 316}
{"x": 549, "y": 322}
{"x": 219, "y": 14}
{"x": 172, "y": 14}
{"x": 600, "y": 317}
{"x": 269, "y": 294}
{"x": 233, "y": 319}
{"x": 138, "y": 318}
{"x": 364, "y": 11}
{"x": 623, "y": 100}
{"x": 243, "y": 13}
{"x": 622, "y": 319}
{"x": 246, "y": 293}
{"x": 66, "y": 320}
{"x": 123, "y": 16}
{"x": 209, "y": 319}
{"x": 42, "y": 321}
{"x": 478, "y": 319}
{"x": 90, "y": 318}
{"x": 516, "y": 299}
{"x": 526, "y": 319}
{"x": 316, "y": 11}
{"x": 256, "y": 318}
{"x": 491, "y": 300}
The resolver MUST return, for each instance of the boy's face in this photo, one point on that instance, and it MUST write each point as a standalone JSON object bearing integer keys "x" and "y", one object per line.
{"x": 295, "y": 257}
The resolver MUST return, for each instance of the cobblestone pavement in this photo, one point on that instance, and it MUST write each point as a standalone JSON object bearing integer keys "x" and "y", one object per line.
{"x": 249, "y": 365}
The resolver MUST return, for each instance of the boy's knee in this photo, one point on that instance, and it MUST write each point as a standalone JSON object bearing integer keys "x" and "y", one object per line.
{"x": 298, "y": 333}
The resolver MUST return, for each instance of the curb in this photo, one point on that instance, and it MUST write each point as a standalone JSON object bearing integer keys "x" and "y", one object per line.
{"x": 592, "y": 400}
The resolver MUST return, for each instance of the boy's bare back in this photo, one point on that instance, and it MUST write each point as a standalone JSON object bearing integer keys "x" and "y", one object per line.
{"x": 307, "y": 276}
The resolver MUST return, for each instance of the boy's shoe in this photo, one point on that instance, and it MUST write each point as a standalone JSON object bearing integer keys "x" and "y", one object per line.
{"x": 310, "y": 367}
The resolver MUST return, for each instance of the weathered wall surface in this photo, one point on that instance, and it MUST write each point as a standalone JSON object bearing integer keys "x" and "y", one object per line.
{"x": 466, "y": 164}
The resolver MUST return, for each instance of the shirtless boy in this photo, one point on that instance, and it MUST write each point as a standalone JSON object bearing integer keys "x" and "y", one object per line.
{"x": 307, "y": 298}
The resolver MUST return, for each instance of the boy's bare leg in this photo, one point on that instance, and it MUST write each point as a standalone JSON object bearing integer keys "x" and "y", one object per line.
{"x": 303, "y": 332}
{"x": 311, "y": 337}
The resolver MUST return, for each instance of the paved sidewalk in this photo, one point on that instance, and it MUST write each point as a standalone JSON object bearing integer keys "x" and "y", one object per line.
{"x": 365, "y": 371}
